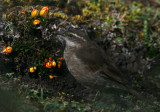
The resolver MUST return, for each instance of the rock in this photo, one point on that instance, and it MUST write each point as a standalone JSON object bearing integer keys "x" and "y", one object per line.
{"x": 88, "y": 108}
{"x": 136, "y": 108}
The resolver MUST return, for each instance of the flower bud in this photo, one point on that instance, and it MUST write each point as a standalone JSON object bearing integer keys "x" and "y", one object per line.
{"x": 48, "y": 65}
{"x": 50, "y": 59}
{"x": 62, "y": 58}
{"x": 54, "y": 64}
{"x": 43, "y": 11}
{"x": 36, "y": 21}
{"x": 8, "y": 49}
{"x": 51, "y": 76}
{"x": 31, "y": 70}
{"x": 46, "y": 60}
{"x": 35, "y": 68}
{"x": 34, "y": 13}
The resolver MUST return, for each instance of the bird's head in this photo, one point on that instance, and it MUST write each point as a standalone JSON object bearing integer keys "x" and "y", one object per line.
{"x": 62, "y": 41}
{"x": 73, "y": 38}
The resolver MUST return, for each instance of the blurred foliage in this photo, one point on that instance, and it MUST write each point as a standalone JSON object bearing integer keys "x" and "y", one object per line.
{"x": 63, "y": 103}
{"x": 11, "y": 102}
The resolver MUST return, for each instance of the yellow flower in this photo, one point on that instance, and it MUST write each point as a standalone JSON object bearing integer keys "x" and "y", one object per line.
{"x": 36, "y": 21}
{"x": 48, "y": 64}
{"x": 32, "y": 69}
{"x": 34, "y": 13}
{"x": 7, "y": 50}
{"x": 53, "y": 63}
{"x": 43, "y": 11}
{"x": 51, "y": 76}
{"x": 4, "y": 50}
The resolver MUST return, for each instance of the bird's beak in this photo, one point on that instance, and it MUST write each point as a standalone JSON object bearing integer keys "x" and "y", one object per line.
{"x": 62, "y": 40}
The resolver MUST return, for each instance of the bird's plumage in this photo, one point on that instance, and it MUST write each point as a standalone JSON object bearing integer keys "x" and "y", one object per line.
{"x": 88, "y": 62}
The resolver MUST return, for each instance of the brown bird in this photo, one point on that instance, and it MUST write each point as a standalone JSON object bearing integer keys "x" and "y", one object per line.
{"x": 89, "y": 64}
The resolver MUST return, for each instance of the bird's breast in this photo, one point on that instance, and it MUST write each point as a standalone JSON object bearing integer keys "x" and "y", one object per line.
{"x": 80, "y": 70}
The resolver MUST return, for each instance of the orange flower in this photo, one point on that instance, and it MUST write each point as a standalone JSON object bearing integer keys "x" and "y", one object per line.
{"x": 51, "y": 76}
{"x": 35, "y": 68}
{"x": 36, "y": 21}
{"x": 8, "y": 49}
{"x": 48, "y": 65}
{"x": 43, "y": 11}
{"x": 53, "y": 63}
{"x": 34, "y": 13}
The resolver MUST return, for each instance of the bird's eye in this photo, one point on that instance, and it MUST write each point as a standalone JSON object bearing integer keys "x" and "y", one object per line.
{"x": 70, "y": 36}
{"x": 76, "y": 37}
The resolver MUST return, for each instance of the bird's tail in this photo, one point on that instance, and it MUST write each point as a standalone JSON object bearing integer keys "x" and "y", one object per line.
{"x": 118, "y": 82}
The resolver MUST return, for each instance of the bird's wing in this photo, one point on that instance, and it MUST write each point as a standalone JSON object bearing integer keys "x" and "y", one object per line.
{"x": 94, "y": 58}
{"x": 91, "y": 57}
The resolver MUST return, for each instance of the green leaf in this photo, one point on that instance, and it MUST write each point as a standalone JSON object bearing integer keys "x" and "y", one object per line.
{"x": 115, "y": 18}
{"x": 119, "y": 39}
{"x": 107, "y": 24}
{"x": 120, "y": 26}
{"x": 155, "y": 34}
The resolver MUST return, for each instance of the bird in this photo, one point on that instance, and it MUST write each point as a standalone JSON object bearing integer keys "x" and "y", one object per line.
{"x": 88, "y": 62}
